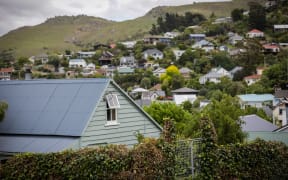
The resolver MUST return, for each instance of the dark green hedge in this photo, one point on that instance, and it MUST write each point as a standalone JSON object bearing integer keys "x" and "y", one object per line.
{"x": 147, "y": 160}
{"x": 258, "y": 160}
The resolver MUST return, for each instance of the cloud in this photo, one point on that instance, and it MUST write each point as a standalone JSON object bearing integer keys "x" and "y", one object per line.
{"x": 17, "y": 13}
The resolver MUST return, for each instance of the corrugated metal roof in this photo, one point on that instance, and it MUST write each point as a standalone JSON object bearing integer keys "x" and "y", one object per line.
{"x": 253, "y": 123}
{"x": 256, "y": 97}
{"x": 38, "y": 144}
{"x": 49, "y": 107}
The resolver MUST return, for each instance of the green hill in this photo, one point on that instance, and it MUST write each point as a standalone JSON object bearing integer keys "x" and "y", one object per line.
{"x": 74, "y": 32}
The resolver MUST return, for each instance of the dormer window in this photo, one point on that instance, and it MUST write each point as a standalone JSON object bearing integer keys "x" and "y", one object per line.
{"x": 112, "y": 104}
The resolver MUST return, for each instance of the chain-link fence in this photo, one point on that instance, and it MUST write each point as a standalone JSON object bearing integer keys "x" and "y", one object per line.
{"x": 186, "y": 157}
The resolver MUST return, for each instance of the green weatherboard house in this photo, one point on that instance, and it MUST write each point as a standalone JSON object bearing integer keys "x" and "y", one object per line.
{"x": 54, "y": 115}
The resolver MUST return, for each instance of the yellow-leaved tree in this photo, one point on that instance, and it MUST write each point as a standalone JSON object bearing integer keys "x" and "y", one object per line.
{"x": 172, "y": 79}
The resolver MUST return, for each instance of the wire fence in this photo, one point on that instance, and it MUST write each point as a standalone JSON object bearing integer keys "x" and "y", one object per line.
{"x": 187, "y": 162}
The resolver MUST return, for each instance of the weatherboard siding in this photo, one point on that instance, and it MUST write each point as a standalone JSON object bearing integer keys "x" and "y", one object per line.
{"x": 130, "y": 120}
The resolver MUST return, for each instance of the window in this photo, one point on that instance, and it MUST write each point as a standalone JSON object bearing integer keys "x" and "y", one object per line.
{"x": 112, "y": 104}
{"x": 280, "y": 111}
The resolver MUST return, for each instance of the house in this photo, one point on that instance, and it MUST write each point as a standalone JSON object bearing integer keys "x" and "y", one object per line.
{"x": 159, "y": 71}
{"x": 129, "y": 44}
{"x": 91, "y": 66}
{"x": 197, "y": 37}
{"x": 234, "y": 38}
{"x": 85, "y": 54}
{"x": 223, "y": 48}
{"x": 171, "y": 34}
{"x": 255, "y": 33}
{"x": 204, "y": 44}
{"x": 178, "y": 53}
{"x": 280, "y": 27}
{"x": 256, "y": 127}
{"x": 255, "y": 100}
{"x": 157, "y": 39}
{"x": 128, "y": 61}
{"x": 204, "y": 103}
{"x": 154, "y": 53}
{"x": 125, "y": 70}
{"x": 214, "y": 75}
{"x": 43, "y": 58}
{"x": 252, "y": 79}
{"x": 77, "y": 63}
{"x": 280, "y": 113}
{"x": 271, "y": 48}
{"x": 106, "y": 58}
{"x": 54, "y": 115}
{"x": 153, "y": 95}
{"x": 236, "y": 51}
{"x": 222, "y": 20}
{"x": 5, "y": 73}
{"x": 185, "y": 72}
{"x": 280, "y": 110}
{"x": 235, "y": 70}
{"x": 184, "y": 94}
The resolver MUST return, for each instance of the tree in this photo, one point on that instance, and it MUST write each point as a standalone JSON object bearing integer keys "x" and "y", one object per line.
{"x": 257, "y": 16}
{"x": 3, "y": 108}
{"x": 237, "y": 14}
{"x": 145, "y": 83}
{"x": 172, "y": 79}
{"x": 225, "y": 116}
{"x": 55, "y": 61}
{"x": 6, "y": 58}
{"x": 160, "y": 111}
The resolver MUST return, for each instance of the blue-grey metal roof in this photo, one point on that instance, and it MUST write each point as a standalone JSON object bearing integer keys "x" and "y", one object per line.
{"x": 256, "y": 97}
{"x": 49, "y": 107}
{"x": 37, "y": 144}
{"x": 253, "y": 123}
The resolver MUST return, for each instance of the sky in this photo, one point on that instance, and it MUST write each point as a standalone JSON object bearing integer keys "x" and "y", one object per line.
{"x": 18, "y": 13}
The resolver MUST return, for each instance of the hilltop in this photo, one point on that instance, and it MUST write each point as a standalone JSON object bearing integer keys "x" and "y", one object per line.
{"x": 76, "y": 32}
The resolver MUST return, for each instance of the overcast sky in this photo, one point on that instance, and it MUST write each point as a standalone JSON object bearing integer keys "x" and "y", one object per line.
{"x": 17, "y": 13}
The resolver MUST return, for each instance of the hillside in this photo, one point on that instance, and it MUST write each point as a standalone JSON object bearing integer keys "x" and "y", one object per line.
{"x": 75, "y": 32}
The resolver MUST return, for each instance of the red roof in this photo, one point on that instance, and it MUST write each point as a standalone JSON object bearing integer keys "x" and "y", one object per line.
{"x": 254, "y": 76}
{"x": 9, "y": 70}
{"x": 255, "y": 31}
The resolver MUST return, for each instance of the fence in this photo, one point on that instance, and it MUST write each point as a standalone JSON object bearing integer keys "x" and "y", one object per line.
{"x": 187, "y": 157}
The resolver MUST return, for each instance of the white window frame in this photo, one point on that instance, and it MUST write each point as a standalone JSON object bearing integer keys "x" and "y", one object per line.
{"x": 112, "y": 104}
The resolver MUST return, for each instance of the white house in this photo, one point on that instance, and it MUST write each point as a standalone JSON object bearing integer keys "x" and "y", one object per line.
{"x": 214, "y": 75}
{"x": 128, "y": 61}
{"x": 280, "y": 27}
{"x": 84, "y": 54}
{"x": 204, "y": 44}
{"x": 280, "y": 113}
{"x": 129, "y": 44}
{"x": 252, "y": 79}
{"x": 184, "y": 94}
{"x": 75, "y": 63}
{"x": 255, "y": 33}
{"x": 159, "y": 71}
{"x": 178, "y": 53}
{"x": 154, "y": 53}
{"x": 171, "y": 34}
{"x": 234, "y": 38}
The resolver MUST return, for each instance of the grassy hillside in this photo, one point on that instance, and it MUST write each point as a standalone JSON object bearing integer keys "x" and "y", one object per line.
{"x": 60, "y": 33}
